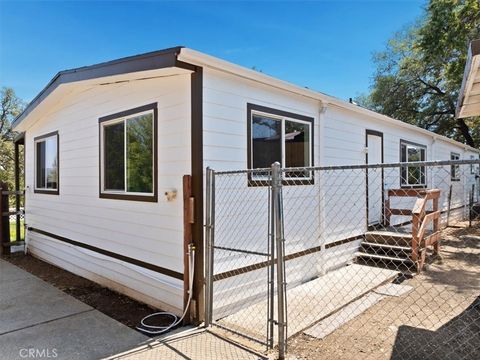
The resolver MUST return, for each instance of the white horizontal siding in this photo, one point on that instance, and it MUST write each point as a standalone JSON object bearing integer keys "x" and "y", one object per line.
{"x": 150, "y": 232}
{"x": 139, "y": 283}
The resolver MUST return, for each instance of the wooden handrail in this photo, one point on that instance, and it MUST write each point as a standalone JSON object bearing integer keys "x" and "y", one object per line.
{"x": 421, "y": 219}
{"x": 426, "y": 221}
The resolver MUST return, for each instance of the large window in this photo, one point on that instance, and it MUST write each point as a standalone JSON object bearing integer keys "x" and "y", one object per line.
{"x": 412, "y": 176}
{"x": 454, "y": 169}
{"x": 128, "y": 155}
{"x": 280, "y": 136}
{"x": 46, "y": 164}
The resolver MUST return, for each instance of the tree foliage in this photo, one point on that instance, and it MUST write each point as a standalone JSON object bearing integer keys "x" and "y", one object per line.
{"x": 10, "y": 107}
{"x": 420, "y": 72}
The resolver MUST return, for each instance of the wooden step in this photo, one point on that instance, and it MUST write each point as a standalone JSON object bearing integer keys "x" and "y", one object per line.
{"x": 384, "y": 258}
{"x": 401, "y": 239}
{"x": 388, "y": 246}
{"x": 386, "y": 250}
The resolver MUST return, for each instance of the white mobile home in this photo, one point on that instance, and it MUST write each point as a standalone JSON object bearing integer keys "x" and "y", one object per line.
{"x": 107, "y": 147}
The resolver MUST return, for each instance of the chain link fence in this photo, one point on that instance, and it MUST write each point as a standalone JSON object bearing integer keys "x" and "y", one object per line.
{"x": 364, "y": 261}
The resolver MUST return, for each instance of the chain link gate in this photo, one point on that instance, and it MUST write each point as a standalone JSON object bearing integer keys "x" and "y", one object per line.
{"x": 239, "y": 256}
{"x": 387, "y": 255}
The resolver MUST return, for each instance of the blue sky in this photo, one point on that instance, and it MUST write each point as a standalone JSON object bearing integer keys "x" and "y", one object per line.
{"x": 324, "y": 45}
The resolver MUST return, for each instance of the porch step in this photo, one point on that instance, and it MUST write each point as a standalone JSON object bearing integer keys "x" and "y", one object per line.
{"x": 387, "y": 246}
{"x": 386, "y": 250}
{"x": 383, "y": 257}
{"x": 401, "y": 239}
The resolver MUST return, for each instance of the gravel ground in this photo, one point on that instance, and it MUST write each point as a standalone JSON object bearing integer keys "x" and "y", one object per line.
{"x": 439, "y": 319}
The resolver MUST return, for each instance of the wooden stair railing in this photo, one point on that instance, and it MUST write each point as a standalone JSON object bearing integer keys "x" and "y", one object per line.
{"x": 421, "y": 219}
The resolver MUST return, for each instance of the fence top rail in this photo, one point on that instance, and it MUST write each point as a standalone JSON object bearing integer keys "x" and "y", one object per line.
{"x": 244, "y": 171}
{"x": 432, "y": 163}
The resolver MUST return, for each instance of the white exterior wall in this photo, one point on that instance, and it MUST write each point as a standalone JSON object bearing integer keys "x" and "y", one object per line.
{"x": 331, "y": 210}
{"x": 150, "y": 232}
{"x": 343, "y": 143}
{"x": 242, "y": 211}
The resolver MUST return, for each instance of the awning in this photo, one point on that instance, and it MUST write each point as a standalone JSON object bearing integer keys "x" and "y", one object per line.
{"x": 469, "y": 97}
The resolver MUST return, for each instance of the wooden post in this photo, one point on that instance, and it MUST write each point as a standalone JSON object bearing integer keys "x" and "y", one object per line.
{"x": 449, "y": 205}
{"x": 470, "y": 207}
{"x": 436, "y": 225}
{"x": 187, "y": 238}
{"x": 388, "y": 212}
{"x": 415, "y": 240}
{"x": 4, "y": 220}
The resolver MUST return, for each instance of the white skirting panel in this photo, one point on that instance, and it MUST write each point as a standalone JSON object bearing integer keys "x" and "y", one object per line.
{"x": 144, "y": 285}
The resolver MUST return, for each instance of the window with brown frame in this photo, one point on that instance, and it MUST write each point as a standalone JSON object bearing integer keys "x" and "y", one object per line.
{"x": 46, "y": 164}
{"x": 128, "y": 154}
{"x": 454, "y": 169}
{"x": 412, "y": 176}
{"x": 276, "y": 135}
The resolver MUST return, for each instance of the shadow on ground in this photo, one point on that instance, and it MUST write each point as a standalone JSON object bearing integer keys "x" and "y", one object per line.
{"x": 457, "y": 339}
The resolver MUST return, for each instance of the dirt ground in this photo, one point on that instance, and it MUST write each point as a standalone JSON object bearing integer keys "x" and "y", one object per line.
{"x": 439, "y": 319}
{"x": 119, "y": 307}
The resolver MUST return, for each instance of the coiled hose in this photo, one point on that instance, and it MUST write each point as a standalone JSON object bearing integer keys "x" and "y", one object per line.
{"x": 156, "y": 330}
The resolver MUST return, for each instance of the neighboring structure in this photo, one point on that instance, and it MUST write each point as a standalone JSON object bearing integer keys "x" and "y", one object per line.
{"x": 469, "y": 98}
{"x": 107, "y": 147}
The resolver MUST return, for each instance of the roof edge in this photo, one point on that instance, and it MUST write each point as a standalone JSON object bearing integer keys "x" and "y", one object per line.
{"x": 145, "y": 61}
{"x": 201, "y": 59}
{"x": 473, "y": 51}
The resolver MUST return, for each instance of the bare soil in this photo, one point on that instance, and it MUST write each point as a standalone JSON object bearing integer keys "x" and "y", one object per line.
{"x": 119, "y": 307}
{"x": 439, "y": 319}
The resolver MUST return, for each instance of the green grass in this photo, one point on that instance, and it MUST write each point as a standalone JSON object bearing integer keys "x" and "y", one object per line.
{"x": 13, "y": 230}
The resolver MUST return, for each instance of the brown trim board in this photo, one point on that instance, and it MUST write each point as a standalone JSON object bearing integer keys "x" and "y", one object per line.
{"x": 111, "y": 254}
{"x": 380, "y": 135}
{"x": 263, "y": 264}
{"x": 197, "y": 190}
{"x": 187, "y": 240}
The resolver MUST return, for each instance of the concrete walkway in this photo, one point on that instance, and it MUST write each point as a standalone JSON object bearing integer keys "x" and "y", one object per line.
{"x": 39, "y": 321}
{"x": 191, "y": 344}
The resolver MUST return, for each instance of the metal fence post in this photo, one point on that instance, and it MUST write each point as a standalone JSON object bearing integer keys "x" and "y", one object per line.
{"x": 209, "y": 235}
{"x": 279, "y": 239}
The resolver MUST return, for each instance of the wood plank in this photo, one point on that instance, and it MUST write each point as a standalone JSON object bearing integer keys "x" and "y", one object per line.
{"x": 402, "y": 212}
{"x": 20, "y": 192}
{"x": 419, "y": 206}
{"x": 393, "y": 289}
{"x": 382, "y": 257}
{"x": 432, "y": 239}
{"x": 405, "y": 192}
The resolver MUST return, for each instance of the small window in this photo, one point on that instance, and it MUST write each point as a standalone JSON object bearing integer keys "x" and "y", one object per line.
{"x": 412, "y": 176}
{"x": 454, "y": 169}
{"x": 46, "y": 164}
{"x": 128, "y": 156}
{"x": 473, "y": 167}
{"x": 279, "y": 136}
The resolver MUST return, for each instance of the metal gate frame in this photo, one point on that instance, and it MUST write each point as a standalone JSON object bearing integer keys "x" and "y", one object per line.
{"x": 276, "y": 254}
